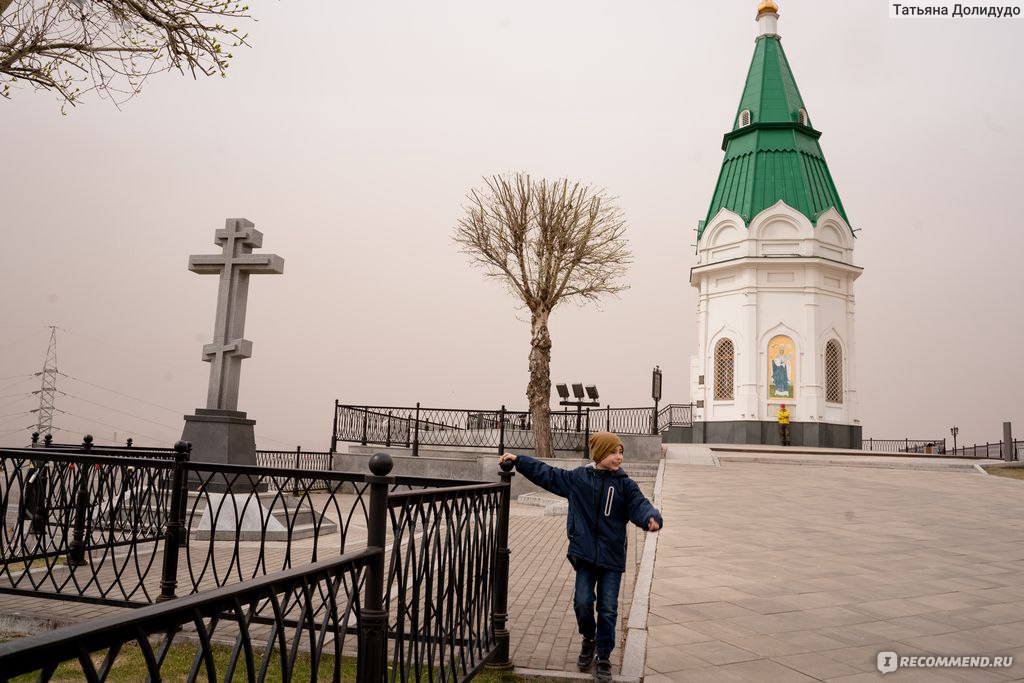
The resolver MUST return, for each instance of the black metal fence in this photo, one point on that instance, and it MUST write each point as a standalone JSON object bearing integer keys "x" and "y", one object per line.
{"x": 919, "y": 446}
{"x": 132, "y": 531}
{"x": 271, "y": 627}
{"x": 993, "y": 450}
{"x": 415, "y": 426}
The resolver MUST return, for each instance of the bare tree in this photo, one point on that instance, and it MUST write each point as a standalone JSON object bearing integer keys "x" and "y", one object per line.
{"x": 549, "y": 242}
{"x": 74, "y": 46}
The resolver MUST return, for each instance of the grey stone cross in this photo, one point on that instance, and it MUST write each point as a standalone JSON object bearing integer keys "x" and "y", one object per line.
{"x": 237, "y": 262}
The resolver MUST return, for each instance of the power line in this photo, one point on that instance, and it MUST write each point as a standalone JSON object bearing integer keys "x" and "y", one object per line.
{"x": 4, "y": 379}
{"x": 27, "y": 412}
{"x": 123, "y": 412}
{"x": 24, "y": 412}
{"x": 115, "y": 427}
{"x": 267, "y": 438}
{"x": 119, "y": 393}
{"x": 24, "y": 393}
{"x": 11, "y": 403}
{"x": 106, "y": 344}
{"x": 24, "y": 378}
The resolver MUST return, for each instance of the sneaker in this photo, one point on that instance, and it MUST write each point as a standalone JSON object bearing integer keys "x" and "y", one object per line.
{"x": 603, "y": 673}
{"x": 586, "y": 654}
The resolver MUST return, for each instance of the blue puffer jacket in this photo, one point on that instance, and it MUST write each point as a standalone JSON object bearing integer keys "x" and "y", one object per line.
{"x": 600, "y": 504}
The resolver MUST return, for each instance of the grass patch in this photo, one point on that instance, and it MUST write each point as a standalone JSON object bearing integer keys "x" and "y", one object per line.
{"x": 1008, "y": 472}
{"x": 130, "y": 666}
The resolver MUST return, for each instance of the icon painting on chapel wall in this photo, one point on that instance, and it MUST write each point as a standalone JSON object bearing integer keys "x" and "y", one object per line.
{"x": 781, "y": 367}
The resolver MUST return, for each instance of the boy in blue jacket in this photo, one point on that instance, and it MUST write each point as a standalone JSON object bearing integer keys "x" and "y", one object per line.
{"x": 602, "y": 498}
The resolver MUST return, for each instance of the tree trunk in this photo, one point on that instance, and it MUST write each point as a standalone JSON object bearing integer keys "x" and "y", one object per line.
{"x": 538, "y": 391}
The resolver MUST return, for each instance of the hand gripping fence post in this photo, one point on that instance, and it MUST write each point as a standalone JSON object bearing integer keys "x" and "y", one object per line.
{"x": 371, "y": 664}
{"x": 175, "y": 524}
{"x": 499, "y": 608}
{"x": 76, "y": 549}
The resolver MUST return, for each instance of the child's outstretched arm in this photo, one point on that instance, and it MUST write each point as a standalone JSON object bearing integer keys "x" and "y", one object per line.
{"x": 641, "y": 511}
{"x": 553, "y": 479}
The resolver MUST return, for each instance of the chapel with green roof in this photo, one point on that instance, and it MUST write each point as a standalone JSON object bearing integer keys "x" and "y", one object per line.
{"x": 774, "y": 274}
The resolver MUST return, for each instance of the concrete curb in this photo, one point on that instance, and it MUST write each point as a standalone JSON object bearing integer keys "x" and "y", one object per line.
{"x": 545, "y": 675}
{"x": 16, "y": 623}
{"x": 892, "y": 465}
{"x": 634, "y": 654}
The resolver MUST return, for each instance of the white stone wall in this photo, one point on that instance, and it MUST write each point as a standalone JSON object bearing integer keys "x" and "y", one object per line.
{"x": 782, "y": 275}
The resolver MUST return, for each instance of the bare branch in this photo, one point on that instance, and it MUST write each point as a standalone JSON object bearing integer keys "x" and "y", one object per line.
{"x": 112, "y": 46}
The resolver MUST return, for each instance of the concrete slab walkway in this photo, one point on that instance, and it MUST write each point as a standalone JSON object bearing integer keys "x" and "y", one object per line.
{"x": 793, "y": 572}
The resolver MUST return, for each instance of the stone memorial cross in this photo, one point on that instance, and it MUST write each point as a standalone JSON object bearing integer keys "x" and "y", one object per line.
{"x": 234, "y": 265}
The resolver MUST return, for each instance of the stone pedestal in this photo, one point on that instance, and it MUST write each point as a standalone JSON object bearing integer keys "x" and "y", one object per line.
{"x": 220, "y": 436}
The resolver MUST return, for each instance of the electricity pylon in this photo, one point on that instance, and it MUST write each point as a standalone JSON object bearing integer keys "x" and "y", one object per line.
{"x": 49, "y": 389}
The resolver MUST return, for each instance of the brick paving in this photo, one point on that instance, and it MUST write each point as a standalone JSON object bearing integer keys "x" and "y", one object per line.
{"x": 541, "y": 583}
{"x": 797, "y": 573}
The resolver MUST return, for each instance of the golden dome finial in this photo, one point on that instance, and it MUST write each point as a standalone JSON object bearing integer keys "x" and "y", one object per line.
{"x": 767, "y": 6}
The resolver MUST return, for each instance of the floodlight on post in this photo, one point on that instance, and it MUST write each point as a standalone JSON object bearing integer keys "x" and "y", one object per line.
{"x": 580, "y": 399}
{"x": 954, "y": 430}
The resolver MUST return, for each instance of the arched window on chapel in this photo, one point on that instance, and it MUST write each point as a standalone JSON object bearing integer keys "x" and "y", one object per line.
{"x": 725, "y": 364}
{"x": 833, "y": 372}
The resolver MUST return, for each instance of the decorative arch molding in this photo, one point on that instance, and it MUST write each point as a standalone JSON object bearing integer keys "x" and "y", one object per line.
{"x": 780, "y": 212}
{"x": 722, "y": 218}
{"x": 834, "y": 218}
{"x": 831, "y": 333}
{"x": 725, "y": 234}
{"x": 724, "y": 331}
{"x": 782, "y": 329}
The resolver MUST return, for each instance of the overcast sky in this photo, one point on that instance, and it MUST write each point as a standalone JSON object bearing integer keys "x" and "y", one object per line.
{"x": 350, "y": 134}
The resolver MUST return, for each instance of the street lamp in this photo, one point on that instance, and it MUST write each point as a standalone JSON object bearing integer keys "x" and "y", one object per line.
{"x": 954, "y": 430}
{"x": 656, "y": 395}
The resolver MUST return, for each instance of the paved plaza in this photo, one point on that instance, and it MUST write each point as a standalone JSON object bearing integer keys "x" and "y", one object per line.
{"x": 800, "y": 572}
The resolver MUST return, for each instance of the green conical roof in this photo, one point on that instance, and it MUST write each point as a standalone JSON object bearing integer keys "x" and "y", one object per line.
{"x": 775, "y": 156}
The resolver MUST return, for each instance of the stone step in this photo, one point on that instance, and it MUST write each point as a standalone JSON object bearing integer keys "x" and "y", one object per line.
{"x": 553, "y": 507}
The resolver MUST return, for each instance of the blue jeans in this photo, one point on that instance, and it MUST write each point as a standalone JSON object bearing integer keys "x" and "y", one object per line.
{"x": 606, "y": 582}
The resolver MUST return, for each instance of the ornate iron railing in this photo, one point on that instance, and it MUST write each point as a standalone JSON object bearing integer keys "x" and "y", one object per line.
{"x": 441, "y": 580}
{"x": 675, "y": 415}
{"x": 415, "y": 426}
{"x": 268, "y": 627}
{"x": 225, "y": 528}
{"x": 79, "y": 524}
{"x": 916, "y": 446}
{"x": 119, "y": 530}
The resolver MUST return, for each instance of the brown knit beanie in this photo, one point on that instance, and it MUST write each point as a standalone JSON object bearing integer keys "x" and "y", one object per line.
{"x": 603, "y": 443}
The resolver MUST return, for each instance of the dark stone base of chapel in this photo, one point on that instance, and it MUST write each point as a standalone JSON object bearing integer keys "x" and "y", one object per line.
{"x": 810, "y": 434}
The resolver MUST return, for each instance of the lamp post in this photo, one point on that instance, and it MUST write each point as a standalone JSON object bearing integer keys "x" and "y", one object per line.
{"x": 656, "y": 395}
{"x": 578, "y": 398}
{"x": 954, "y": 430}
